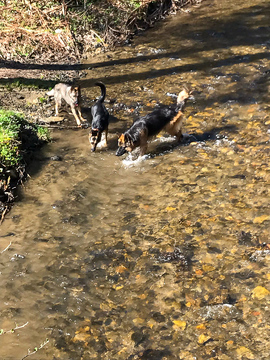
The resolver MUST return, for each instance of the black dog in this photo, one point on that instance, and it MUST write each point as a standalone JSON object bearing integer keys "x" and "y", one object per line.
{"x": 169, "y": 118}
{"x": 100, "y": 119}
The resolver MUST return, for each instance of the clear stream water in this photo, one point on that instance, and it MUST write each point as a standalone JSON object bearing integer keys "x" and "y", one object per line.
{"x": 164, "y": 258}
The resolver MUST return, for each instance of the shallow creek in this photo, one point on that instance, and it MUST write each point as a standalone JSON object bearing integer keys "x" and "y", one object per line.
{"x": 164, "y": 258}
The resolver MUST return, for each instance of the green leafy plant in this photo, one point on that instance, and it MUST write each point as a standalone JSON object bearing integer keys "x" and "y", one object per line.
{"x": 136, "y": 3}
{"x": 10, "y": 124}
{"x": 42, "y": 99}
{"x": 15, "y": 131}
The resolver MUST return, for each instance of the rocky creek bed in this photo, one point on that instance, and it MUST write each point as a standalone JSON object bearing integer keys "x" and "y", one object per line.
{"x": 166, "y": 258}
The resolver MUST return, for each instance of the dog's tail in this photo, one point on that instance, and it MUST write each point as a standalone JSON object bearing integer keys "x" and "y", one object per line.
{"x": 103, "y": 91}
{"x": 50, "y": 93}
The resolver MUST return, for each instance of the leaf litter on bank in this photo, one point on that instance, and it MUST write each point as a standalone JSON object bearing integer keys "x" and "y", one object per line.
{"x": 61, "y": 31}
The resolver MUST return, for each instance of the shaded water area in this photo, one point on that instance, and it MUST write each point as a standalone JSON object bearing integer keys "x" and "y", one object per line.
{"x": 164, "y": 258}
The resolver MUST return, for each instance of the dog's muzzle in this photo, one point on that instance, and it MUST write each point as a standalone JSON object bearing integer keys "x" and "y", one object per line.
{"x": 121, "y": 151}
{"x": 94, "y": 145}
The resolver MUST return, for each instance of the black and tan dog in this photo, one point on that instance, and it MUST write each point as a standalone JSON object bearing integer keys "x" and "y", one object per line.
{"x": 100, "y": 119}
{"x": 168, "y": 118}
{"x": 71, "y": 95}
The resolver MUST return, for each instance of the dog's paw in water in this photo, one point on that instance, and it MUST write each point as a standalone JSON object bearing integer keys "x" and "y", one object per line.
{"x": 131, "y": 160}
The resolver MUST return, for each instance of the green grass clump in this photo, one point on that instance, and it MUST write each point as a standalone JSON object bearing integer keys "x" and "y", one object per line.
{"x": 10, "y": 124}
{"x": 16, "y": 136}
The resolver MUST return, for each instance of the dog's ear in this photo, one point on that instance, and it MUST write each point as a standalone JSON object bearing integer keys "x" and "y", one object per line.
{"x": 184, "y": 94}
{"x": 189, "y": 91}
{"x": 186, "y": 87}
{"x": 122, "y": 138}
{"x": 76, "y": 89}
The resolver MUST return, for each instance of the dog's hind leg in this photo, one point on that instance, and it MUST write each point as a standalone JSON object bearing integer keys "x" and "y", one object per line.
{"x": 179, "y": 136}
{"x": 106, "y": 137}
{"x": 174, "y": 127}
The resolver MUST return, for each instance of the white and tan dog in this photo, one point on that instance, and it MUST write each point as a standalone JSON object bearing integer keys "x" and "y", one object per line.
{"x": 71, "y": 95}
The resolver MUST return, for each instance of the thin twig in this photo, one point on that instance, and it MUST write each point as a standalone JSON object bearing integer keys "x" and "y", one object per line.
{"x": 2, "y": 332}
{"x": 59, "y": 127}
{"x": 36, "y": 349}
{"x": 93, "y": 32}
{"x": 142, "y": 5}
{"x": 5, "y": 248}
{"x": 3, "y": 214}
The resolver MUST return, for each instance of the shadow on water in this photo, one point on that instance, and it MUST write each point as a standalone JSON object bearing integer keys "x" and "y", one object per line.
{"x": 206, "y": 65}
{"x": 216, "y": 133}
{"x": 212, "y": 134}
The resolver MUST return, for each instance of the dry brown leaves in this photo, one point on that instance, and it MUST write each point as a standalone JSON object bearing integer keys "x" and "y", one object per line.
{"x": 31, "y": 29}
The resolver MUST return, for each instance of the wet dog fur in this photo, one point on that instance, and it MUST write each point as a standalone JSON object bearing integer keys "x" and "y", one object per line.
{"x": 100, "y": 119}
{"x": 168, "y": 118}
{"x": 71, "y": 95}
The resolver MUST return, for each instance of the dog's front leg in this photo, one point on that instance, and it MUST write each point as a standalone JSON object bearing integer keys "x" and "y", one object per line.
{"x": 80, "y": 113}
{"x": 143, "y": 142}
{"x": 76, "y": 116}
{"x": 56, "y": 108}
{"x": 143, "y": 150}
